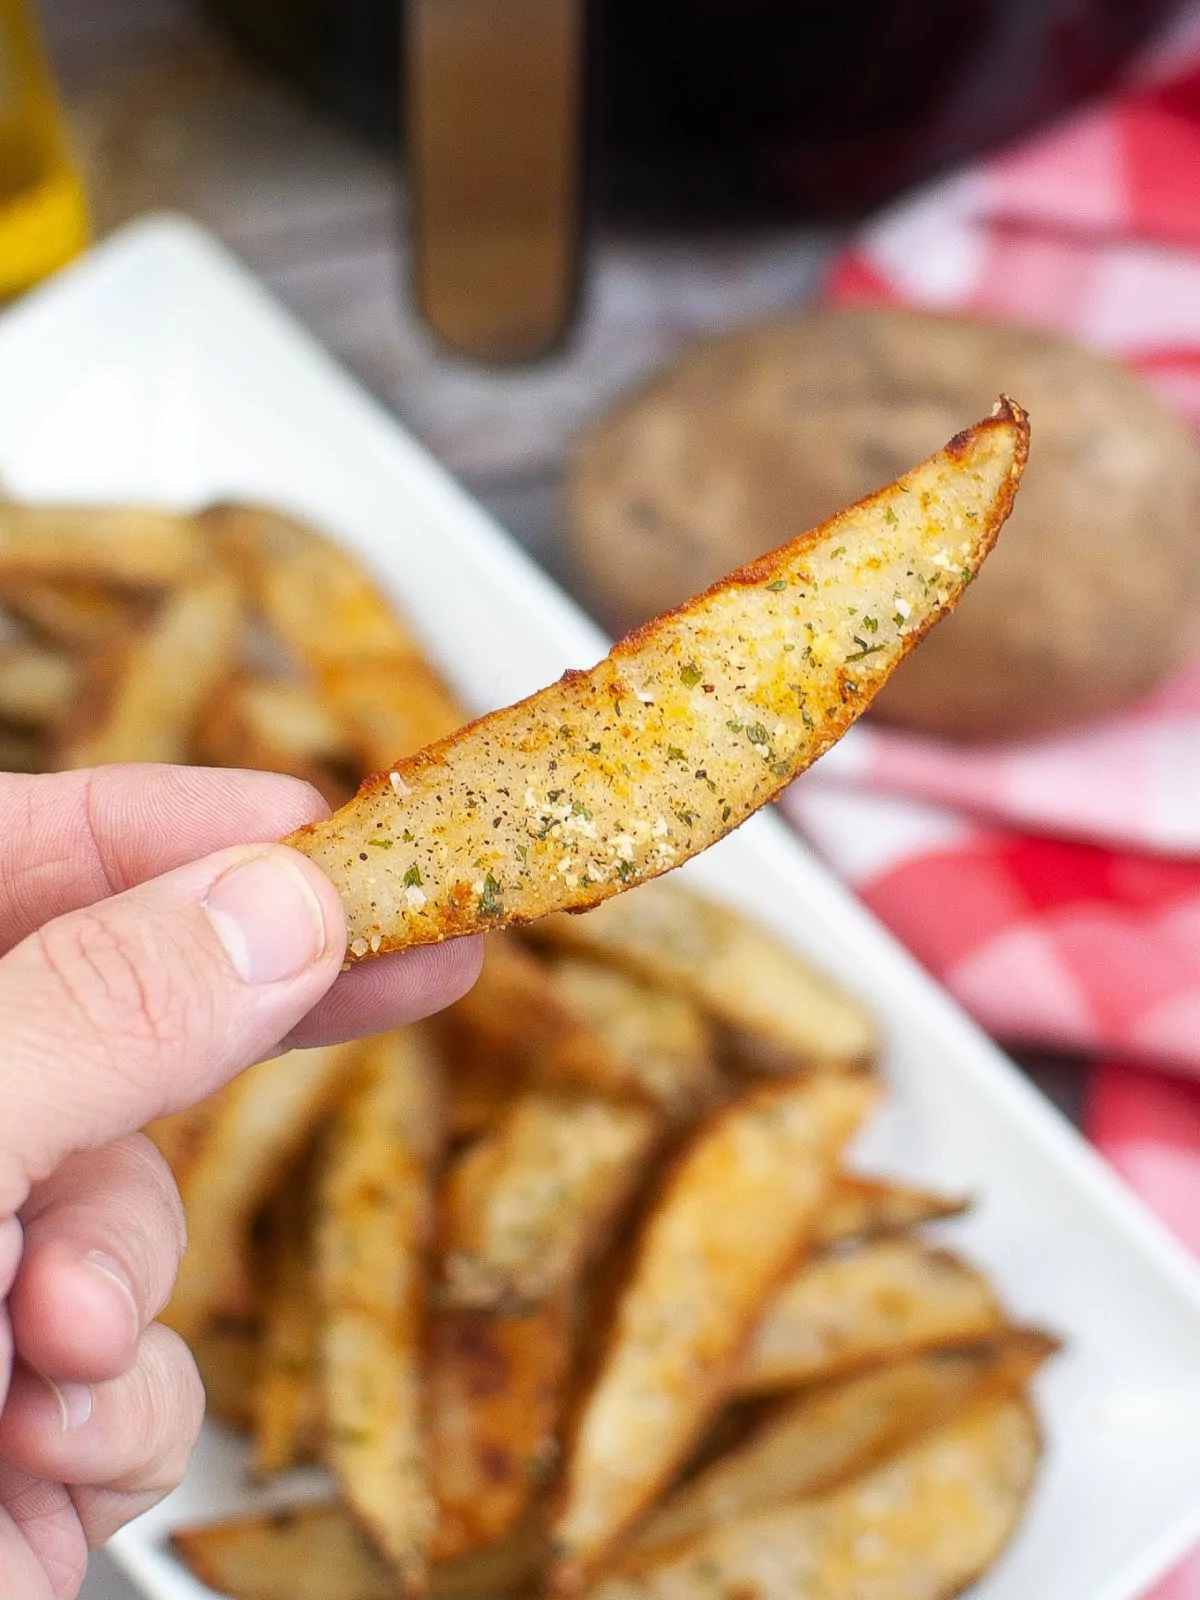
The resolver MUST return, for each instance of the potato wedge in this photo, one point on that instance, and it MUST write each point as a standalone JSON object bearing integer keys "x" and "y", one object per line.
{"x": 735, "y": 1215}
{"x": 272, "y": 726}
{"x": 510, "y": 1568}
{"x": 729, "y": 965}
{"x": 523, "y": 1032}
{"x": 74, "y": 614}
{"x": 122, "y": 546}
{"x": 318, "y": 1552}
{"x": 870, "y": 1208}
{"x": 22, "y": 750}
{"x": 836, "y": 1432}
{"x": 287, "y": 1394}
{"x": 227, "y": 1357}
{"x": 649, "y": 1041}
{"x": 262, "y": 1121}
{"x": 525, "y": 1207}
{"x": 36, "y": 685}
{"x": 921, "y": 1526}
{"x": 389, "y": 706}
{"x": 374, "y": 1227}
{"x": 615, "y": 775}
{"x": 148, "y": 693}
{"x": 179, "y": 1137}
{"x": 875, "y": 1303}
{"x": 310, "y": 1552}
{"x": 494, "y": 1386}
{"x": 311, "y": 592}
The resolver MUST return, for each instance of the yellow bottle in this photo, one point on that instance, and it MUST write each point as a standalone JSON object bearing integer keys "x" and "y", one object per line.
{"x": 43, "y": 214}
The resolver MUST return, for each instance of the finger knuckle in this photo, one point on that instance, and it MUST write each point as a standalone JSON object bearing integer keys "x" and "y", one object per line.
{"x": 169, "y": 1410}
{"x": 116, "y": 983}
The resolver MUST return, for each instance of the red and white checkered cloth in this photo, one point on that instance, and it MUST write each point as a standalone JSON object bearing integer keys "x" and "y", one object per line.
{"x": 1054, "y": 887}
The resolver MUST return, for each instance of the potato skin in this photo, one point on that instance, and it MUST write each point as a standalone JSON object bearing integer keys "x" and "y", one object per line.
{"x": 1090, "y": 598}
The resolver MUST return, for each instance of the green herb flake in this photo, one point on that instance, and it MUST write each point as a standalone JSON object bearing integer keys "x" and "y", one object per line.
{"x": 594, "y": 747}
{"x": 408, "y": 836}
{"x": 757, "y": 734}
{"x": 734, "y": 727}
{"x": 580, "y": 810}
{"x": 788, "y": 648}
{"x": 687, "y": 817}
{"x": 889, "y": 516}
{"x": 726, "y": 813}
{"x": 898, "y": 619}
{"x": 690, "y": 674}
{"x": 381, "y": 844}
{"x": 625, "y": 870}
{"x": 412, "y": 878}
{"x": 864, "y": 649}
{"x": 554, "y": 795}
{"x": 870, "y": 624}
{"x": 780, "y": 583}
{"x": 840, "y": 551}
{"x": 967, "y": 574}
{"x": 523, "y": 851}
{"x": 489, "y": 900}
{"x": 781, "y": 768}
{"x": 674, "y": 753}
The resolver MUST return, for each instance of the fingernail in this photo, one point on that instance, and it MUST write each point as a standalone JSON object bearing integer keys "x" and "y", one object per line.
{"x": 74, "y": 1403}
{"x": 268, "y": 919}
{"x": 114, "y": 1274}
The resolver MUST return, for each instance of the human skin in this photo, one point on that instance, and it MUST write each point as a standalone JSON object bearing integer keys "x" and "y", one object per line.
{"x": 153, "y": 943}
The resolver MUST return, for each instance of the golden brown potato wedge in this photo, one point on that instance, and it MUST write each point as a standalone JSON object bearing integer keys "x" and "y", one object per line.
{"x": 869, "y": 1208}
{"x": 122, "y": 546}
{"x": 874, "y": 1303}
{"x": 318, "y": 1552}
{"x": 262, "y": 1121}
{"x": 689, "y": 725}
{"x": 494, "y": 1386}
{"x": 731, "y": 1220}
{"x": 525, "y": 1207}
{"x": 147, "y": 693}
{"x": 287, "y": 1394}
{"x": 227, "y": 1357}
{"x": 835, "y": 1432}
{"x": 374, "y": 1228}
{"x": 180, "y": 1137}
{"x": 36, "y": 685}
{"x": 510, "y": 1568}
{"x": 921, "y": 1526}
{"x": 520, "y": 1030}
{"x": 310, "y": 1552}
{"x": 729, "y": 965}
{"x": 74, "y": 614}
{"x": 389, "y": 706}
{"x": 23, "y": 750}
{"x": 648, "y": 1040}
{"x": 269, "y": 725}
{"x": 312, "y": 592}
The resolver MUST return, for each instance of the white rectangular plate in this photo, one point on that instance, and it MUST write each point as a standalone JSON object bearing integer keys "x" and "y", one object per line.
{"x": 157, "y": 370}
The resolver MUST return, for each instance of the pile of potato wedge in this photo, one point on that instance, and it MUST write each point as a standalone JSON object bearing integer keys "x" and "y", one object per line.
{"x": 572, "y": 1289}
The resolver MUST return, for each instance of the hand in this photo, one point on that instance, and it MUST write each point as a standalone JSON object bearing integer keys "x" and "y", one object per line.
{"x": 135, "y": 980}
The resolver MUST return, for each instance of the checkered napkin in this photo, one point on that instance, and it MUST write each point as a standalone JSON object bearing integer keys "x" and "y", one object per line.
{"x": 1054, "y": 887}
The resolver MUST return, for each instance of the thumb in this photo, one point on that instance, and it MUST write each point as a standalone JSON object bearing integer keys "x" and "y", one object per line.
{"x": 148, "y": 1001}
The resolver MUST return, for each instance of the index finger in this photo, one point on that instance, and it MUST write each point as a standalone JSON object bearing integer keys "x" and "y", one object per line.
{"x": 71, "y": 839}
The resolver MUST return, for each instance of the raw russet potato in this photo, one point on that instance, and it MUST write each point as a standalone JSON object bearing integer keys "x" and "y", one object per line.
{"x": 1091, "y": 597}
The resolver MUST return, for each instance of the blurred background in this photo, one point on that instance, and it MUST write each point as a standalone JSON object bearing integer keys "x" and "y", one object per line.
{"x": 663, "y": 281}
